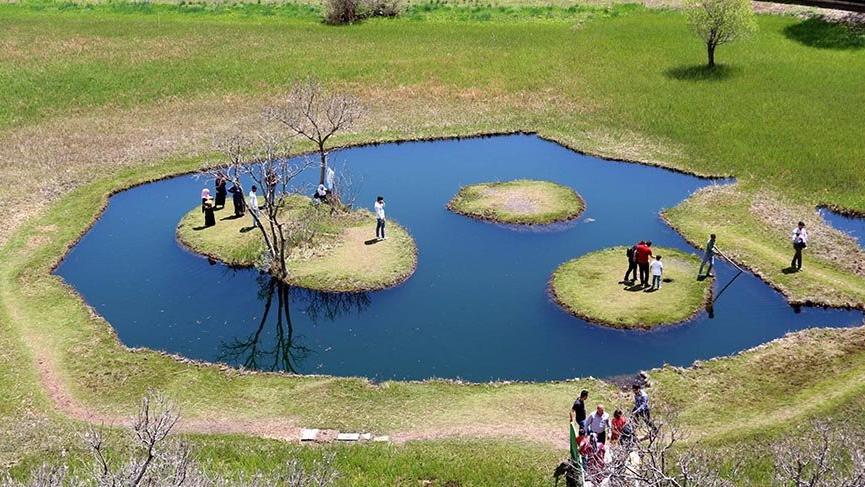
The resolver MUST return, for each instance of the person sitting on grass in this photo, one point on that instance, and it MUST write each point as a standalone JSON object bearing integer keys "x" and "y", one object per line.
{"x": 657, "y": 270}
{"x": 617, "y": 424}
{"x": 631, "y": 253}
{"x": 643, "y": 254}
{"x": 708, "y": 257}
{"x": 379, "y": 218}
{"x": 800, "y": 241}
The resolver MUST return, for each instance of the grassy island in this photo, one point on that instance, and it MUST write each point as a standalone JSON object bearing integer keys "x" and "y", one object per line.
{"x": 523, "y": 201}
{"x": 591, "y": 287}
{"x": 343, "y": 256}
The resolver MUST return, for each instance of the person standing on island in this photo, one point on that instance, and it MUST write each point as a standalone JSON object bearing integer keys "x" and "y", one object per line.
{"x": 657, "y": 271}
{"x": 379, "y": 218}
{"x": 642, "y": 255}
{"x": 237, "y": 200}
{"x": 800, "y": 241}
{"x": 631, "y": 253}
{"x": 253, "y": 205}
{"x": 220, "y": 191}
{"x": 578, "y": 410}
{"x": 207, "y": 208}
{"x": 708, "y": 257}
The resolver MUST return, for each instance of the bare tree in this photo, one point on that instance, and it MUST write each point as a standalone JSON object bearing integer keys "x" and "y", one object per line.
{"x": 311, "y": 112}
{"x": 718, "y": 22}
{"x": 823, "y": 456}
{"x": 285, "y": 221}
{"x": 158, "y": 461}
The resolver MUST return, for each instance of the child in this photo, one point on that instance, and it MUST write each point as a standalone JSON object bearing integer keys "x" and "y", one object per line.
{"x": 379, "y": 218}
{"x": 657, "y": 271}
{"x": 618, "y": 424}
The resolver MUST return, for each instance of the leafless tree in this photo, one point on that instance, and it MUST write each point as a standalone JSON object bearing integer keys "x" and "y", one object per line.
{"x": 311, "y": 112}
{"x": 822, "y": 456}
{"x": 156, "y": 460}
{"x": 285, "y": 221}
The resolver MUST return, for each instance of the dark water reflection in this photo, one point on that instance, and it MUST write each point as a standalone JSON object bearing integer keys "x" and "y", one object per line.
{"x": 477, "y": 306}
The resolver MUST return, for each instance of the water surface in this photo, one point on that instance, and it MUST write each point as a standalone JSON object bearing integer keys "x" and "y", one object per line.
{"x": 477, "y": 307}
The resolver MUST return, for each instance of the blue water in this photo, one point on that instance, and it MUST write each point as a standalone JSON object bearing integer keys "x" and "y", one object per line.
{"x": 854, "y": 227}
{"x": 477, "y": 307}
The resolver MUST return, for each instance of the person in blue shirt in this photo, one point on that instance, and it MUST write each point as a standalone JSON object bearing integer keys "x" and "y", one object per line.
{"x": 641, "y": 409}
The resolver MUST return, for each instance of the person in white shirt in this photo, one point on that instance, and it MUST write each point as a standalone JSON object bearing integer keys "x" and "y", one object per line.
{"x": 800, "y": 241}
{"x": 379, "y": 218}
{"x": 657, "y": 268}
{"x": 253, "y": 205}
{"x": 598, "y": 423}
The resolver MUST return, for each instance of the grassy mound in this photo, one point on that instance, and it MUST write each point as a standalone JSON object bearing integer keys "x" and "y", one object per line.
{"x": 343, "y": 256}
{"x": 522, "y": 202}
{"x": 590, "y": 287}
{"x": 754, "y": 230}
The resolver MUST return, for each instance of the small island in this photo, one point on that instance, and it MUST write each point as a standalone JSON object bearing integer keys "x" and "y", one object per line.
{"x": 591, "y": 288}
{"x": 521, "y": 202}
{"x": 343, "y": 256}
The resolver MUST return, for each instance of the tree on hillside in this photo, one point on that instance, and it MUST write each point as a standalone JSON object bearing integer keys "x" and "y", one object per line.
{"x": 311, "y": 112}
{"x": 718, "y": 22}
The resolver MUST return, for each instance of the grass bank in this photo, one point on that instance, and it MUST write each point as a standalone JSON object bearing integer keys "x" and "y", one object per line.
{"x": 342, "y": 257}
{"x": 522, "y": 202}
{"x": 755, "y": 229}
{"x": 591, "y": 287}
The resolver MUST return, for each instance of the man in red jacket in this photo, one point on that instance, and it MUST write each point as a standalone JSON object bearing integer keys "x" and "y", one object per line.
{"x": 643, "y": 254}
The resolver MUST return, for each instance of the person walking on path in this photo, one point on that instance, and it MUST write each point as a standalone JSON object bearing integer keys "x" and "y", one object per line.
{"x": 708, "y": 257}
{"x": 598, "y": 423}
{"x": 578, "y": 410}
{"x": 631, "y": 253}
{"x": 641, "y": 411}
{"x": 642, "y": 254}
{"x": 379, "y": 218}
{"x": 800, "y": 241}
{"x": 253, "y": 205}
{"x": 657, "y": 271}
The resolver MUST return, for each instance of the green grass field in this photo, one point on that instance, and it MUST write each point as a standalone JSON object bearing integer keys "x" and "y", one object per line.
{"x": 99, "y": 97}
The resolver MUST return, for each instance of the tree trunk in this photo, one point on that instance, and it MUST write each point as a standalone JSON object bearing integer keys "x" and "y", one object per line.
{"x": 710, "y": 50}
{"x": 323, "y": 155}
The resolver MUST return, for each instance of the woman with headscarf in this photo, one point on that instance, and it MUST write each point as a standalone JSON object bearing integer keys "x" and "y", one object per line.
{"x": 207, "y": 208}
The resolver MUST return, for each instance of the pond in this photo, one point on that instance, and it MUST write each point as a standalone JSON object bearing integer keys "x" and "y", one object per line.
{"x": 477, "y": 307}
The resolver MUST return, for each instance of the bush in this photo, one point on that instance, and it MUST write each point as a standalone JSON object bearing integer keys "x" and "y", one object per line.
{"x": 340, "y": 12}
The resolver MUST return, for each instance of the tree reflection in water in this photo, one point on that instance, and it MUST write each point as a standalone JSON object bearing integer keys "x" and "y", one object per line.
{"x": 286, "y": 353}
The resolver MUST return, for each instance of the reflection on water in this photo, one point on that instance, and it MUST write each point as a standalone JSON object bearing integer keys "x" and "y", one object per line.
{"x": 477, "y": 299}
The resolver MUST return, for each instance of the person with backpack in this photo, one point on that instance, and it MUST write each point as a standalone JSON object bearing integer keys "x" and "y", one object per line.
{"x": 631, "y": 254}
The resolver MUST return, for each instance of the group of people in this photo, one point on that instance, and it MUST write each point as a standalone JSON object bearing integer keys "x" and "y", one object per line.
{"x": 209, "y": 204}
{"x": 596, "y": 431}
{"x": 641, "y": 264}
